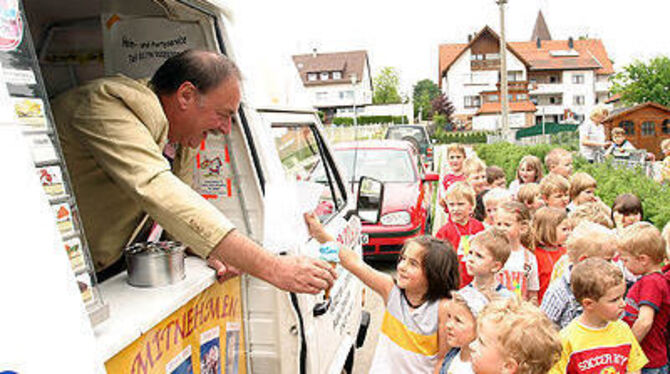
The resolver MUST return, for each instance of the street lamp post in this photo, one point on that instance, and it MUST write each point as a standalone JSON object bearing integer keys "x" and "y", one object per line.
{"x": 353, "y": 89}
{"x": 353, "y": 97}
{"x": 503, "y": 73}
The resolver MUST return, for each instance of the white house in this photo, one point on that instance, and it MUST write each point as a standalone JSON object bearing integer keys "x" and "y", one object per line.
{"x": 565, "y": 78}
{"x": 327, "y": 79}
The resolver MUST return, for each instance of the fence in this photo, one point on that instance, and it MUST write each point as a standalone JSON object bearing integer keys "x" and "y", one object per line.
{"x": 636, "y": 159}
{"x": 336, "y": 134}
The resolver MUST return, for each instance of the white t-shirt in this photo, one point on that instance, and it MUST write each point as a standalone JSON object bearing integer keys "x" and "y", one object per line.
{"x": 520, "y": 273}
{"x": 591, "y": 132}
{"x": 459, "y": 367}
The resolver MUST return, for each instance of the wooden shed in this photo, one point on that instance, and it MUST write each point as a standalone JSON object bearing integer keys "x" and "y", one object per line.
{"x": 646, "y": 125}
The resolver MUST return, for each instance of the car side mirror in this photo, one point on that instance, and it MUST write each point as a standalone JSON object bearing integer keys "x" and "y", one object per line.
{"x": 370, "y": 198}
{"x": 431, "y": 177}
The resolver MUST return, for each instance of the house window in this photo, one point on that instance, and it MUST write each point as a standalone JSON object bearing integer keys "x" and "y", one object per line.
{"x": 324, "y": 76}
{"x": 648, "y": 128}
{"x": 346, "y": 95}
{"x": 337, "y": 75}
{"x": 552, "y": 100}
{"x": 492, "y": 98}
{"x": 578, "y": 79}
{"x": 578, "y": 100}
{"x": 476, "y": 57}
{"x": 514, "y": 76}
{"x": 665, "y": 127}
{"x": 493, "y": 56}
{"x": 321, "y": 96}
{"x": 311, "y": 77}
{"x": 472, "y": 102}
{"x": 628, "y": 126}
{"x": 553, "y": 79}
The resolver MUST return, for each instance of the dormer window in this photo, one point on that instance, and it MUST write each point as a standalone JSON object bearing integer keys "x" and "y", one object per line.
{"x": 337, "y": 75}
{"x": 323, "y": 76}
{"x": 311, "y": 77}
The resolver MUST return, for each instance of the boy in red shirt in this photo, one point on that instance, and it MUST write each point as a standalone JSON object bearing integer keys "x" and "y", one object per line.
{"x": 454, "y": 173}
{"x": 647, "y": 310}
{"x": 460, "y": 228}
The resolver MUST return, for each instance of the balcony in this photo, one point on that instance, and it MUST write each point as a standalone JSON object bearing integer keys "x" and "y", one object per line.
{"x": 484, "y": 65}
{"x": 546, "y": 88}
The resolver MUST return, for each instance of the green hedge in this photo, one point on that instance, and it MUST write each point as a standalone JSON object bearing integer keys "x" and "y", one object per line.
{"x": 463, "y": 137}
{"x": 368, "y": 120}
{"x": 612, "y": 181}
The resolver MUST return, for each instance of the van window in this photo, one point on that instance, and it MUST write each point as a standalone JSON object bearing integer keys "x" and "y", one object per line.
{"x": 301, "y": 149}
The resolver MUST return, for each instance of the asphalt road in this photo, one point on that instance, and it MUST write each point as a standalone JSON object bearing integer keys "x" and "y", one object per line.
{"x": 374, "y": 305}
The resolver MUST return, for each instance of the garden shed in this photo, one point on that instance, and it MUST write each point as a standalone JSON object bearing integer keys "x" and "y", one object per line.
{"x": 646, "y": 125}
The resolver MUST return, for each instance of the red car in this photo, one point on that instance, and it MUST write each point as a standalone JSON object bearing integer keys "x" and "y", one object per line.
{"x": 406, "y": 194}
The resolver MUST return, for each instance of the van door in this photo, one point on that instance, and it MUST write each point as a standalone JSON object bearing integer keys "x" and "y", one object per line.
{"x": 307, "y": 161}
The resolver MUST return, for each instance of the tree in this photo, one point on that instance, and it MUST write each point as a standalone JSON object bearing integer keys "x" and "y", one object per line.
{"x": 640, "y": 82}
{"x": 386, "y": 87}
{"x": 444, "y": 107}
{"x": 423, "y": 92}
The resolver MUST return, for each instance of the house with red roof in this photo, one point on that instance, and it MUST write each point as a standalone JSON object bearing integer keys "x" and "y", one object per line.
{"x": 565, "y": 79}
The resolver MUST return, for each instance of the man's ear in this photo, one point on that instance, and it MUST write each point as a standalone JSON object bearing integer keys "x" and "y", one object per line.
{"x": 510, "y": 366}
{"x": 186, "y": 94}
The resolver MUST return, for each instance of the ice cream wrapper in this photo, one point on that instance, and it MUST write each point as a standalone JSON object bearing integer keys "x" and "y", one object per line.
{"x": 329, "y": 252}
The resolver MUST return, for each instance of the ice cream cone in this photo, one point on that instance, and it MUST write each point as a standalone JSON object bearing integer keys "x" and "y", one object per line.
{"x": 327, "y": 294}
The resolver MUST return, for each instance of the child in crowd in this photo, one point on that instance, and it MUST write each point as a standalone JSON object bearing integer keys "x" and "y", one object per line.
{"x": 596, "y": 212}
{"x": 626, "y": 210}
{"x": 520, "y": 273}
{"x": 620, "y": 145}
{"x": 559, "y": 161}
{"x": 597, "y": 341}
{"x": 461, "y": 329}
{"x": 554, "y": 189}
{"x": 666, "y": 237}
{"x": 582, "y": 190}
{"x": 460, "y": 226}
{"x": 529, "y": 171}
{"x": 489, "y": 251}
{"x": 586, "y": 241}
{"x": 492, "y": 200}
{"x": 514, "y": 337}
{"x": 495, "y": 177}
{"x": 551, "y": 230}
{"x": 427, "y": 273}
{"x": 454, "y": 173}
{"x": 474, "y": 170}
{"x": 642, "y": 250}
{"x": 664, "y": 175}
{"x": 530, "y": 195}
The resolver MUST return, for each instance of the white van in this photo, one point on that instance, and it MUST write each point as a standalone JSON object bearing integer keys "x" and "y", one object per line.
{"x": 263, "y": 188}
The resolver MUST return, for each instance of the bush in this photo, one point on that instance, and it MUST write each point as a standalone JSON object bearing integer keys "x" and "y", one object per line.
{"x": 469, "y": 137}
{"x": 368, "y": 120}
{"x": 612, "y": 181}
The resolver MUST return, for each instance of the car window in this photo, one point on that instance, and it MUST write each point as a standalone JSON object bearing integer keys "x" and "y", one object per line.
{"x": 398, "y": 133}
{"x": 386, "y": 165}
{"x": 300, "y": 149}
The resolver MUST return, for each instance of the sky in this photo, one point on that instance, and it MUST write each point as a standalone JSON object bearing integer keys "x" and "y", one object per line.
{"x": 406, "y": 34}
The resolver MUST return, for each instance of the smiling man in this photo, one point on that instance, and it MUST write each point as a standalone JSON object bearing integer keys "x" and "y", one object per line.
{"x": 128, "y": 146}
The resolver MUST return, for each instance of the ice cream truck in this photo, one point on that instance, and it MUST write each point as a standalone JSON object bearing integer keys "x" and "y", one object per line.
{"x": 57, "y": 317}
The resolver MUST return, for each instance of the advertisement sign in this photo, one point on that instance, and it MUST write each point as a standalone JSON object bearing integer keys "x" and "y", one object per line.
{"x": 204, "y": 336}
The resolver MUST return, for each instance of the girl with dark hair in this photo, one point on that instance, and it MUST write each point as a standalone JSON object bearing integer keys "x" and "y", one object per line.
{"x": 626, "y": 210}
{"x": 427, "y": 272}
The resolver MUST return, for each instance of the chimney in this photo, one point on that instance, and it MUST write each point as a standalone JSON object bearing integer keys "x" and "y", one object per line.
{"x": 469, "y": 38}
{"x": 539, "y": 43}
{"x": 571, "y": 43}
{"x": 313, "y": 52}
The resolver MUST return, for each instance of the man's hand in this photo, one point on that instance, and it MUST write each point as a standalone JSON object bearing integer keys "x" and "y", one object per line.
{"x": 223, "y": 271}
{"x": 301, "y": 274}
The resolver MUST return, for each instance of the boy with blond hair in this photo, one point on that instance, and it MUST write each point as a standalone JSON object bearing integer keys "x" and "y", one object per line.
{"x": 514, "y": 337}
{"x": 597, "y": 341}
{"x": 489, "y": 250}
{"x": 460, "y": 226}
{"x": 492, "y": 200}
{"x": 586, "y": 241}
{"x": 642, "y": 251}
{"x": 596, "y": 212}
{"x": 531, "y": 196}
{"x": 582, "y": 190}
{"x": 474, "y": 170}
{"x": 554, "y": 189}
{"x": 559, "y": 161}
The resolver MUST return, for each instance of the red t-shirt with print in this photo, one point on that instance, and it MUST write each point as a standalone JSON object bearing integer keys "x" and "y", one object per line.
{"x": 652, "y": 290}
{"x": 546, "y": 259}
{"x": 458, "y": 234}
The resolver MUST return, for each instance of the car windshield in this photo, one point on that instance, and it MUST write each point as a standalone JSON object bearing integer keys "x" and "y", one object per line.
{"x": 386, "y": 165}
{"x": 398, "y": 133}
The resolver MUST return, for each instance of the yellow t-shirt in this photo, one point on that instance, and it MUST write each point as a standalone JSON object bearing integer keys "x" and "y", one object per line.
{"x": 610, "y": 350}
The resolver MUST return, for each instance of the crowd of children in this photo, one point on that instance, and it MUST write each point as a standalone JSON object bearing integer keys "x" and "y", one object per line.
{"x": 540, "y": 277}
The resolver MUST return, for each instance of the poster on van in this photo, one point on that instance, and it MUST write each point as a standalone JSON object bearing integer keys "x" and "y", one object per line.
{"x": 210, "y": 352}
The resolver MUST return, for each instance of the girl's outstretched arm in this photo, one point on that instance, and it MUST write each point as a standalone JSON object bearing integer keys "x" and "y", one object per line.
{"x": 379, "y": 282}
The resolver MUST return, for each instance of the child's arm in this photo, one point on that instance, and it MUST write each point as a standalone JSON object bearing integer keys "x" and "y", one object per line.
{"x": 441, "y": 334}
{"x": 379, "y": 282}
{"x": 643, "y": 323}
